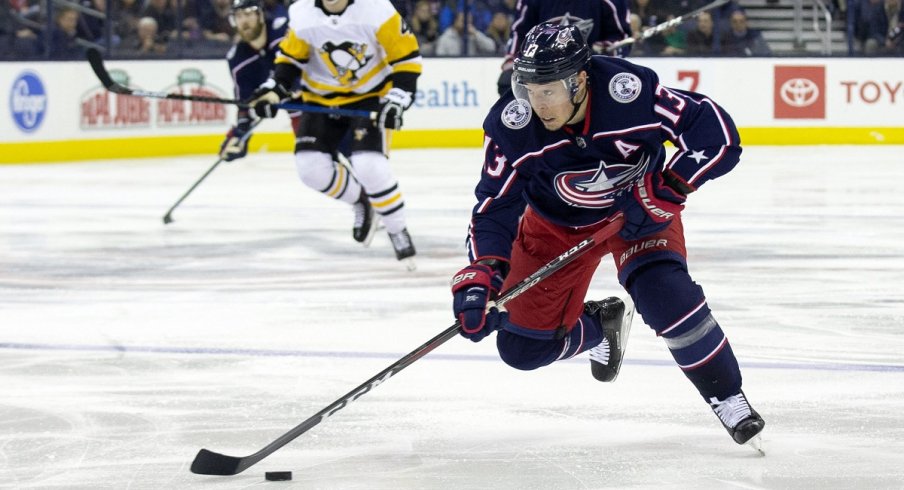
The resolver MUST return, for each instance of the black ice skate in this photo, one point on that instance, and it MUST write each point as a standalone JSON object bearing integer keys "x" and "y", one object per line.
{"x": 740, "y": 419}
{"x": 365, "y": 220}
{"x": 615, "y": 317}
{"x": 404, "y": 248}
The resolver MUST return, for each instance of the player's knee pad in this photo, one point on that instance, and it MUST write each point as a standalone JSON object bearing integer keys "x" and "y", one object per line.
{"x": 318, "y": 171}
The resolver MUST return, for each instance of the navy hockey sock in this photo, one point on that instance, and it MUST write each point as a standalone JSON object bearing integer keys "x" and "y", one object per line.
{"x": 674, "y": 305}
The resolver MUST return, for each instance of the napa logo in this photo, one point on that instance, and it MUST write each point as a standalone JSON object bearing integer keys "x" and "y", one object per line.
{"x": 28, "y": 101}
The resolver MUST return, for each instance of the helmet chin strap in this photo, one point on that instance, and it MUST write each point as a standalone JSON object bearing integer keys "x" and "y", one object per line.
{"x": 577, "y": 105}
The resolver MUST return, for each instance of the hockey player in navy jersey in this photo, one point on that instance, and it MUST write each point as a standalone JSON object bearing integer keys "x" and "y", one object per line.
{"x": 601, "y": 22}
{"x": 578, "y": 144}
{"x": 250, "y": 64}
{"x": 356, "y": 55}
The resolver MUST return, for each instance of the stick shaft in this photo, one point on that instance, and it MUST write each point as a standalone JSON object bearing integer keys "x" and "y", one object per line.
{"x": 652, "y": 31}
{"x": 210, "y": 463}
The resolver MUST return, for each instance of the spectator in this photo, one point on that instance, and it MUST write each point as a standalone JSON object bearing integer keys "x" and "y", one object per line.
{"x": 163, "y": 14}
{"x": 700, "y": 40}
{"x": 895, "y": 15}
{"x": 216, "y": 28}
{"x": 89, "y": 26}
{"x": 147, "y": 42}
{"x": 499, "y": 30}
{"x": 126, "y": 14}
{"x": 640, "y": 47}
{"x": 741, "y": 40}
{"x": 425, "y": 27}
{"x": 480, "y": 13}
{"x": 451, "y": 41}
{"x": 867, "y": 26}
{"x": 670, "y": 42}
{"x": 63, "y": 41}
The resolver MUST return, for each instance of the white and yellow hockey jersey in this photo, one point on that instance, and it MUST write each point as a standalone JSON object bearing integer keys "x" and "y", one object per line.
{"x": 348, "y": 57}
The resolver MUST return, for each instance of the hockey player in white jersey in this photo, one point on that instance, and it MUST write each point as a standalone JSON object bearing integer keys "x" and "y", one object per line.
{"x": 355, "y": 55}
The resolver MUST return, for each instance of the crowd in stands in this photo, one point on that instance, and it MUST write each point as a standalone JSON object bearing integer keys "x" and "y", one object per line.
{"x": 201, "y": 28}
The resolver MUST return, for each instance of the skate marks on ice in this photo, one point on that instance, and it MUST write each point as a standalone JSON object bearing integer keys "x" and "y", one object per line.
{"x": 127, "y": 345}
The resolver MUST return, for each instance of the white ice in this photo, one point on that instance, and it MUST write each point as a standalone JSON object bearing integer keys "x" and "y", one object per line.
{"x": 126, "y": 345}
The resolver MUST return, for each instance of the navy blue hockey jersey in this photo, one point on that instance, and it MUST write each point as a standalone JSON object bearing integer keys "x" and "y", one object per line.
{"x": 571, "y": 176}
{"x": 250, "y": 67}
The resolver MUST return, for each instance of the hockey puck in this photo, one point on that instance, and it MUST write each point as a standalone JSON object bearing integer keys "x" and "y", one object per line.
{"x": 278, "y": 475}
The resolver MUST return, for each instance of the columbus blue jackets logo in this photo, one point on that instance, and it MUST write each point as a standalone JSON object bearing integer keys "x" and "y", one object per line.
{"x": 516, "y": 114}
{"x": 624, "y": 87}
{"x": 597, "y": 188}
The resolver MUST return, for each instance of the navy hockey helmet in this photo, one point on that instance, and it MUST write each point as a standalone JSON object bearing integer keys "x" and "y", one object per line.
{"x": 247, "y": 4}
{"x": 551, "y": 52}
{"x": 244, "y": 6}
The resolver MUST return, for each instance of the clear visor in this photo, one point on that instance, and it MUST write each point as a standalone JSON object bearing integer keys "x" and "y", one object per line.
{"x": 545, "y": 94}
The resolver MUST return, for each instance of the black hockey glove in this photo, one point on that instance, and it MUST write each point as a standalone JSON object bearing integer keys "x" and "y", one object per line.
{"x": 265, "y": 96}
{"x": 473, "y": 289}
{"x": 393, "y": 105}
{"x": 235, "y": 145}
{"x": 649, "y": 208}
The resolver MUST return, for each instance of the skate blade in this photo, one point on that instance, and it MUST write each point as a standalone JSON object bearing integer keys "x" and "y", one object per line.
{"x": 756, "y": 442}
{"x": 409, "y": 264}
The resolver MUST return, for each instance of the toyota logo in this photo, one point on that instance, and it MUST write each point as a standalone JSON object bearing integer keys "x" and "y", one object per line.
{"x": 799, "y": 92}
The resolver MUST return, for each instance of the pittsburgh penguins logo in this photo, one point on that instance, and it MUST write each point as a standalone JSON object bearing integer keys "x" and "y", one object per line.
{"x": 344, "y": 60}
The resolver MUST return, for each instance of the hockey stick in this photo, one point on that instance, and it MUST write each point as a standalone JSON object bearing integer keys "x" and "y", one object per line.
{"x": 97, "y": 64}
{"x": 652, "y": 31}
{"x": 168, "y": 218}
{"x": 210, "y": 463}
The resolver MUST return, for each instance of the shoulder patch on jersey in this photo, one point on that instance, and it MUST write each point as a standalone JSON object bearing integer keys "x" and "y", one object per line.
{"x": 278, "y": 23}
{"x": 231, "y": 53}
{"x": 624, "y": 87}
{"x": 516, "y": 114}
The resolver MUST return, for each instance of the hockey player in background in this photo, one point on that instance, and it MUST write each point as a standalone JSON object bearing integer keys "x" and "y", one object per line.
{"x": 601, "y": 22}
{"x": 577, "y": 144}
{"x": 355, "y": 55}
{"x": 250, "y": 64}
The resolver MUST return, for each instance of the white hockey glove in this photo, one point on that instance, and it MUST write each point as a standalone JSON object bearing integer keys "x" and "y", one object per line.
{"x": 394, "y": 104}
{"x": 265, "y": 96}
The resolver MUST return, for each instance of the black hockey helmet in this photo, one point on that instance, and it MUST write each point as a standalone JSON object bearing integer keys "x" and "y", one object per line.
{"x": 551, "y": 52}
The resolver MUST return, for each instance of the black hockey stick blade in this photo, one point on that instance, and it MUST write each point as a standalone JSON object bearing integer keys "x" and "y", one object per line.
{"x": 97, "y": 64}
{"x": 210, "y": 463}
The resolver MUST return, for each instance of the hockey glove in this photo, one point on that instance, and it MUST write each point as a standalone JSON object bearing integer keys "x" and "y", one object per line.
{"x": 650, "y": 208}
{"x": 235, "y": 145}
{"x": 473, "y": 288}
{"x": 394, "y": 104}
{"x": 265, "y": 96}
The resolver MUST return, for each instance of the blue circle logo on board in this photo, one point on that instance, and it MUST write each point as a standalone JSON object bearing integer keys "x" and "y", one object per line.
{"x": 28, "y": 101}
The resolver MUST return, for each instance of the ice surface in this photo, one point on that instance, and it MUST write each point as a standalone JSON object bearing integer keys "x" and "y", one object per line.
{"x": 127, "y": 345}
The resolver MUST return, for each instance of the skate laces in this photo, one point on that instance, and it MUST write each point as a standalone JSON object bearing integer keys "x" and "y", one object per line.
{"x": 600, "y": 353}
{"x": 731, "y": 410}
{"x": 360, "y": 214}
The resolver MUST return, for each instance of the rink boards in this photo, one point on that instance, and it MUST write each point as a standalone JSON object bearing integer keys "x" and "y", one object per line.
{"x": 59, "y": 111}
